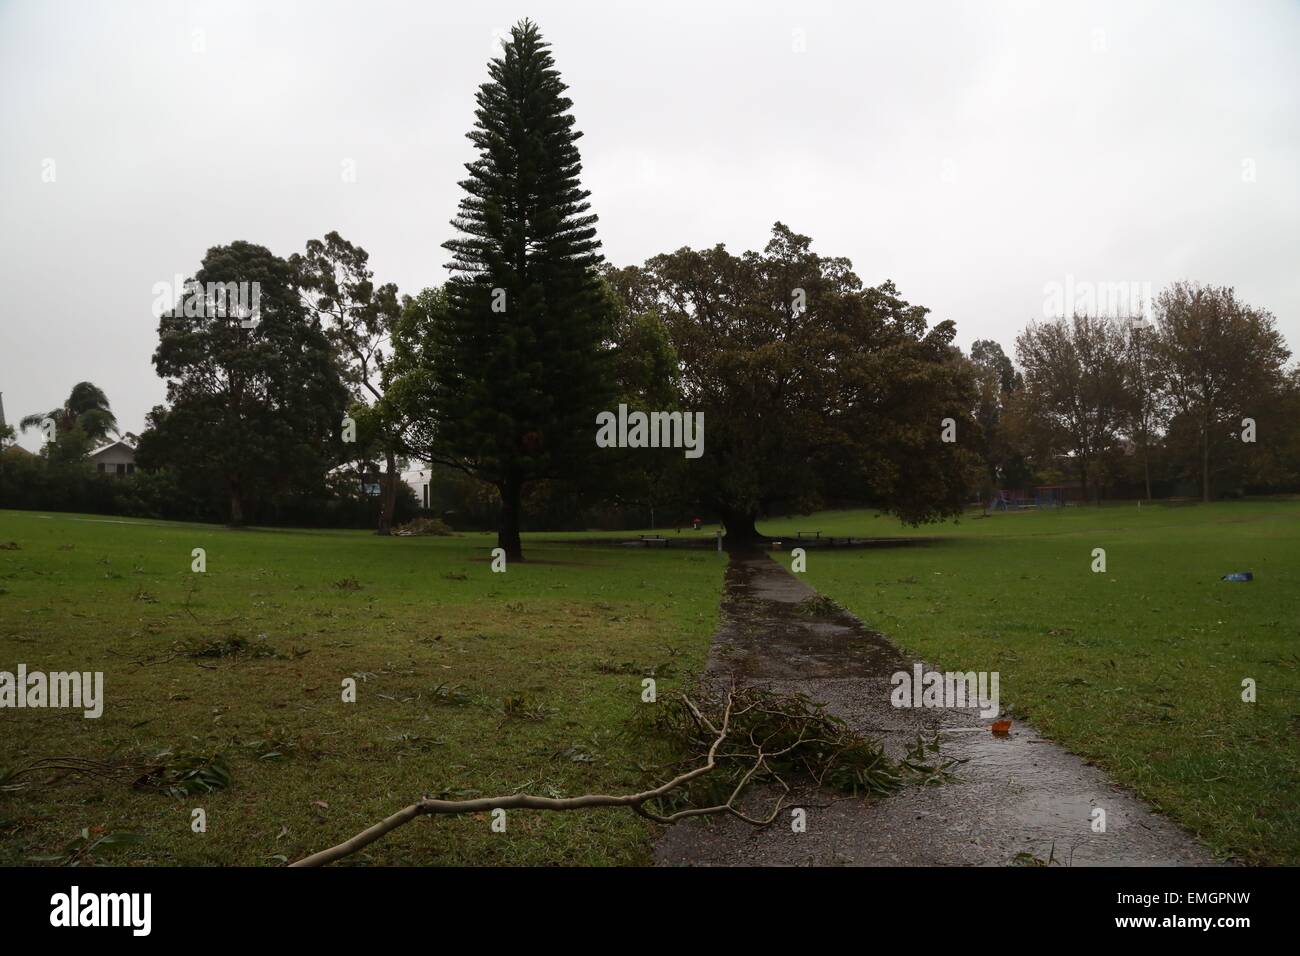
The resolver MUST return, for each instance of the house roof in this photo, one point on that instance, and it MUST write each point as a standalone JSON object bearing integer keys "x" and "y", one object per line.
{"x": 113, "y": 444}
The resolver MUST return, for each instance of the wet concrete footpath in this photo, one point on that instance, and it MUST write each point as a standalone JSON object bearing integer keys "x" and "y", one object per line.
{"x": 1017, "y": 799}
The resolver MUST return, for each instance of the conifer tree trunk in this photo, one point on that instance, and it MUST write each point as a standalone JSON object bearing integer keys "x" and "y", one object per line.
{"x": 508, "y": 538}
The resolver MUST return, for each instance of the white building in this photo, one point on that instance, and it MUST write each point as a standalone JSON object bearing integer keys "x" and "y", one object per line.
{"x": 419, "y": 483}
{"x": 115, "y": 458}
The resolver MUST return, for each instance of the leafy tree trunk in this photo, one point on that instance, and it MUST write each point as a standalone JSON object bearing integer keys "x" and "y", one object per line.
{"x": 1205, "y": 464}
{"x": 741, "y": 532}
{"x": 508, "y": 533}
{"x": 236, "y": 507}
{"x": 388, "y": 499}
{"x": 1146, "y": 461}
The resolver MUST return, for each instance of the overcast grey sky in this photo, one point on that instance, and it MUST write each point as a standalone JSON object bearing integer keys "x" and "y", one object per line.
{"x": 972, "y": 152}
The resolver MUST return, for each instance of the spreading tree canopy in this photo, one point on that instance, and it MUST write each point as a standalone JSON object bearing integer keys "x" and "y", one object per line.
{"x": 1221, "y": 360}
{"x": 814, "y": 388}
{"x": 521, "y": 366}
{"x": 1078, "y": 381}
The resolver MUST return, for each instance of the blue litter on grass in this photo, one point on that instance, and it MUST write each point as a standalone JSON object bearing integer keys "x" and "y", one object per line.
{"x": 1239, "y": 576}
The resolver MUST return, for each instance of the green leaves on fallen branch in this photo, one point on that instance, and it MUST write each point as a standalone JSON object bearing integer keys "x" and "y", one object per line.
{"x": 730, "y": 741}
{"x": 187, "y": 774}
{"x": 799, "y": 739}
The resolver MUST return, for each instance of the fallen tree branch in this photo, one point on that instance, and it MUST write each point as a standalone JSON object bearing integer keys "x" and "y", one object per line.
{"x": 782, "y": 735}
{"x": 518, "y": 801}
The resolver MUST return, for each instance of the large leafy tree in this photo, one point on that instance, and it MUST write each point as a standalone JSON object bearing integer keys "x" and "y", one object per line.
{"x": 1220, "y": 360}
{"x": 521, "y": 367}
{"x": 1274, "y": 461}
{"x": 1144, "y": 410}
{"x": 998, "y": 383}
{"x": 650, "y": 482}
{"x": 1076, "y": 383}
{"x": 416, "y": 342}
{"x": 337, "y": 285}
{"x": 814, "y": 388}
{"x": 255, "y": 406}
{"x": 988, "y": 354}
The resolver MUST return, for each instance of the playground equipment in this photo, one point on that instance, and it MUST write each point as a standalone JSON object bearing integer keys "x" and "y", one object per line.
{"x": 1044, "y": 496}
{"x": 1009, "y": 500}
{"x": 1050, "y": 496}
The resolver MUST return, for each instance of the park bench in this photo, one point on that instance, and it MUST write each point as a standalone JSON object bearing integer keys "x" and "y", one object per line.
{"x": 815, "y": 534}
{"x": 650, "y": 540}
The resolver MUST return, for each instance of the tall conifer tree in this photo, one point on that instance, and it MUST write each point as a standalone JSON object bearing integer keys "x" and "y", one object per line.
{"x": 522, "y": 365}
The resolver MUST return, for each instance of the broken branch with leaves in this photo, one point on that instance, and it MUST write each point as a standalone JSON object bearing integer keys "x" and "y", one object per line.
{"x": 739, "y": 738}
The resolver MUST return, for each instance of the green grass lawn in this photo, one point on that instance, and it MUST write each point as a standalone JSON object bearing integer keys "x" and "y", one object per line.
{"x": 468, "y": 682}
{"x": 473, "y": 682}
{"x": 1139, "y": 668}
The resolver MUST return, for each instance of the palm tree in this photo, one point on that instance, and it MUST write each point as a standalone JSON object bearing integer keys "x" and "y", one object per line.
{"x": 86, "y": 408}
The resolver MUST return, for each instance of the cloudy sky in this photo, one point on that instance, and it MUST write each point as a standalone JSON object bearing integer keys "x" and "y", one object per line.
{"x": 972, "y": 152}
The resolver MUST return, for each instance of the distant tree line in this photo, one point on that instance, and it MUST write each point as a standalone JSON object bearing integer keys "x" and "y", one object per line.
{"x": 816, "y": 389}
{"x": 61, "y": 478}
{"x": 1196, "y": 401}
